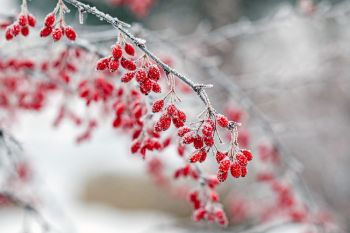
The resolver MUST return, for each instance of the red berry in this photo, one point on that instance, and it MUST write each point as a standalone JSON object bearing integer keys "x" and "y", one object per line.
{"x": 182, "y": 131}
{"x": 158, "y": 127}
{"x": 181, "y": 115}
{"x": 141, "y": 76}
{"x": 171, "y": 109}
{"x": 16, "y": 29}
{"x": 146, "y": 86}
{"x": 31, "y": 20}
{"x": 236, "y": 170}
{"x": 50, "y": 20}
{"x": 135, "y": 147}
{"x": 117, "y": 122}
{"x": 25, "y": 31}
{"x": 242, "y": 160}
{"x": 46, "y": 31}
{"x": 8, "y": 34}
{"x": 244, "y": 171}
{"x": 222, "y": 176}
{"x": 222, "y": 121}
{"x": 207, "y": 130}
{"x": 247, "y": 154}
{"x": 187, "y": 138}
{"x": 203, "y": 154}
{"x": 196, "y": 157}
{"x": 113, "y": 65}
{"x": 199, "y": 214}
{"x": 153, "y": 72}
{"x": 158, "y": 106}
{"x": 165, "y": 121}
{"x": 129, "y": 49}
{"x": 224, "y": 165}
{"x": 156, "y": 88}
{"x": 117, "y": 51}
{"x": 220, "y": 156}
{"x": 127, "y": 77}
{"x": 102, "y": 64}
{"x": 70, "y": 33}
{"x": 57, "y": 34}
{"x": 22, "y": 20}
{"x": 120, "y": 108}
{"x": 128, "y": 64}
{"x": 177, "y": 123}
{"x": 197, "y": 142}
{"x": 209, "y": 141}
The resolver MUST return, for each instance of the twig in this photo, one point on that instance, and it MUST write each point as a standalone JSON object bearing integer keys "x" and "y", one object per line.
{"x": 120, "y": 25}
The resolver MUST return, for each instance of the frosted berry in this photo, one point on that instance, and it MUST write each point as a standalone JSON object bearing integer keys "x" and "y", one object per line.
{"x": 31, "y": 20}
{"x": 222, "y": 176}
{"x": 247, "y": 154}
{"x": 113, "y": 65}
{"x": 222, "y": 121}
{"x": 140, "y": 76}
{"x": 197, "y": 142}
{"x": 46, "y": 31}
{"x": 182, "y": 131}
{"x": 128, "y": 64}
{"x": 172, "y": 110}
{"x": 70, "y": 33}
{"x": 156, "y": 88}
{"x": 8, "y": 34}
{"x": 127, "y": 77}
{"x": 50, "y": 20}
{"x": 224, "y": 165}
{"x": 209, "y": 141}
{"x": 16, "y": 29}
{"x": 158, "y": 106}
{"x": 242, "y": 160}
{"x": 244, "y": 171}
{"x": 25, "y": 31}
{"x": 129, "y": 49}
{"x": 236, "y": 170}
{"x": 57, "y": 34}
{"x": 22, "y": 20}
{"x": 102, "y": 64}
{"x": 220, "y": 156}
{"x": 187, "y": 138}
{"x": 117, "y": 51}
{"x": 154, "y": 72}
{"x": 146, "y": 86}
{"x": 196, "y": 157}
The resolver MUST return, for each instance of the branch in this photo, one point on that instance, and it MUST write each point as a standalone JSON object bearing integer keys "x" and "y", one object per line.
{"x": 120, "y": 25}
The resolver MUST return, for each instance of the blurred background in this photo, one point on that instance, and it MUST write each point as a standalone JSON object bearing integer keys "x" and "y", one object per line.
{"x": 292, "y": 62}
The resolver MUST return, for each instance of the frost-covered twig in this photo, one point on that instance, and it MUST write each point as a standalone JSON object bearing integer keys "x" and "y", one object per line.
{"x": 140, "y": 43}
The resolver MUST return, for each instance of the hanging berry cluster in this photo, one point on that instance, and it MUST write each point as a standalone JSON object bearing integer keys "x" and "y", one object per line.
{"x": 120, "y": 53}
{"x": 205, "y": 202}
{"x": 56, "y": 26}
{"x": 21, "y": 26}
{"x": 201, "y": 137}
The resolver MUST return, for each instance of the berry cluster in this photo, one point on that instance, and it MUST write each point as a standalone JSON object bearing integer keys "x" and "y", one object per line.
{"x": 95, "y": 90}
{"x": 206, "y": 205}
{"x": 171, "y": 114}
{"x": 15, "y": 91}
{"x": 147, "y": 77}
{"x": 118, "y": 57}
{"x": 21, "y": 25}
{"x": 57, "y": 28}
{"x": 186, "y": 171}
{"x": 235, "y": 162}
